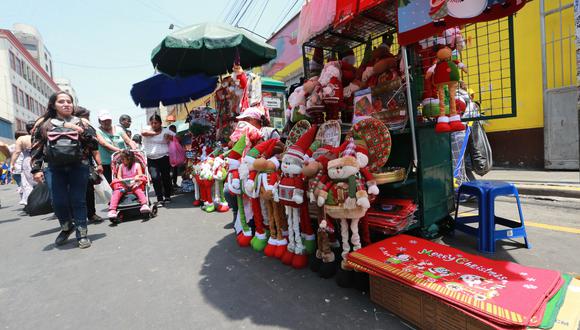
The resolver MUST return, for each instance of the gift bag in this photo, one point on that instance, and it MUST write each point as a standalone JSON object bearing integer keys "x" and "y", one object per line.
{"x": 176, "y": 153}
{"x": 39, "y": 201}
{"x": 103, "y": 191}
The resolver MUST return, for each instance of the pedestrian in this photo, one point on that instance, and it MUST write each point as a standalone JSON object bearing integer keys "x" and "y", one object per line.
{"x": 175, "y": 170}
{"x": 95, "y": 170}
{"x": 125, "y": 124}
{"x": 111, "y": 139}
{"x": 66, "y": 153}
{"x": 130, "y": 178}
{"x": 23, "y": 152}
{"x": 156, "y": 145}
{"x": 138, "y": 141}
{"x": 16, "y": 166}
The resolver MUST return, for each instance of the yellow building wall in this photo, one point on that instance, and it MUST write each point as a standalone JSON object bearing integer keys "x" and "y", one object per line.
{"x": 528, "y": 65}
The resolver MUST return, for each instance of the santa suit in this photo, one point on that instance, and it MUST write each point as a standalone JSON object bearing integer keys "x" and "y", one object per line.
{"x": 288, "y": 186}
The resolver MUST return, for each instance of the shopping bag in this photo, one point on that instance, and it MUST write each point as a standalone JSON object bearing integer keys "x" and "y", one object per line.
{"x": 176, "y": 153}
{"x": 39, "y": 201}
{"x": 103, "y": 191}
{"x": 480, "y": 150}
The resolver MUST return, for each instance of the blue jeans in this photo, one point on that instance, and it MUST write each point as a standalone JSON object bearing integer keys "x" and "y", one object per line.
{"x": 68, "y": 185}
{"x": 17, "y": 178}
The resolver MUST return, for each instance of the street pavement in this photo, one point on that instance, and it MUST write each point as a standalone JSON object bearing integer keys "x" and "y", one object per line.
{"x": 183, "y": 270}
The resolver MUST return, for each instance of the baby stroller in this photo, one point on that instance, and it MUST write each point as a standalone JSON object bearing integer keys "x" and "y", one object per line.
{"x": 129, "y": 204}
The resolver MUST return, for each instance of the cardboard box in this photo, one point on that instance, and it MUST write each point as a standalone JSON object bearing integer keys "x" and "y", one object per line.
{"x": 421, "y": 309}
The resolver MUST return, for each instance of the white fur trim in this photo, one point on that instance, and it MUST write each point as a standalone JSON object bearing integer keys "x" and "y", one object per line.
{"x": 309, "y": 237}
{"x": 260, "y": 236}
{"x": 281, "y": 242}
{"x": 455, "y": 118}
{"x": 275, "y": 161}
{"x": 233, "y": 163}
{"x": 272, "y": 241}
{"x": 443, "y": 119}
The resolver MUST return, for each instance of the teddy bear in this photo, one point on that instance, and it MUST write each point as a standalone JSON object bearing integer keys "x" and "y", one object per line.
{"x": 345, "y": 197}
{"x": 446, "y": 73}
{"x": 291, "y": 195}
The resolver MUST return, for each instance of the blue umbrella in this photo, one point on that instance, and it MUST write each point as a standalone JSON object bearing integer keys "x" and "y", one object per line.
{"x": 161, "y": 88}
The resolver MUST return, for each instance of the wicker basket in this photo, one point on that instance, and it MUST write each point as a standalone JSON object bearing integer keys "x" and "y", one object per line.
{"x": 394, "y": 174}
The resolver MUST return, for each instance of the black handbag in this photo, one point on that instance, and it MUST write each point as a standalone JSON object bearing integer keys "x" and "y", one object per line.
{"x": 94, "y": 177}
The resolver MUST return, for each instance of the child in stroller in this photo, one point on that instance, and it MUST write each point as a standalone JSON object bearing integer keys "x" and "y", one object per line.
{"x": 128, "y": 178}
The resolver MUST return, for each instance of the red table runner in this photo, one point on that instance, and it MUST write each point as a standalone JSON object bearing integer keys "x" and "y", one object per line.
{"x": 503, "y": 292}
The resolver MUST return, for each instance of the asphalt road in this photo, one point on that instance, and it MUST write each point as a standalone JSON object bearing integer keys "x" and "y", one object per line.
{"x": 183, "y": 270}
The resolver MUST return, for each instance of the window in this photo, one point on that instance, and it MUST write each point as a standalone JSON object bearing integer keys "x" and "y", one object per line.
{"x": 27, "y": 101}
{"x": 22, "y": 68}
{"x": 21, "y": 97}
{"x": 12, "y": 61}
{"x": 15, "y": 94}
{"x": 31, "y": 47}
{"x": 18, "y": 67}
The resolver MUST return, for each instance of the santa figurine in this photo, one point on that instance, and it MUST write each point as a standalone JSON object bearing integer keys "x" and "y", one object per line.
{"x": 291, "y": 189}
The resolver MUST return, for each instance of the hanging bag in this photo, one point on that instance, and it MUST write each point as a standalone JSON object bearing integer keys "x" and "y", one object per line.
{"x": 176, "y": 153}
{"x": 480, "y": 150}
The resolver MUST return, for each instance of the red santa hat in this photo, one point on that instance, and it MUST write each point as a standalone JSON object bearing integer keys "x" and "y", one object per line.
{"x": 299, "y": 149}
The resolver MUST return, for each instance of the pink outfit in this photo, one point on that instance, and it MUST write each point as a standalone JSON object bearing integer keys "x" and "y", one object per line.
{"x": 127, "y": 173}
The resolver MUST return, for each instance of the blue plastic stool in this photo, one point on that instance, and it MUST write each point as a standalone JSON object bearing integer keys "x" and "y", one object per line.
{"x": 516, "y": 229}
{"x": 487, "y": 192}
{"x": 473, "y": 188}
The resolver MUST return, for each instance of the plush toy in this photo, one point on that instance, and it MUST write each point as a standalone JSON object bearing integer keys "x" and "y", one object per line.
{"x": 205, "y": 183}
{"x": 219, "y": 170}
{"x": 244, "y": 236}
{"x": 331, "y": 81}
{"x": 291, "y": 194}
{"x": 252, "y": 188}
{"x": 446, "y": 73}
{"x": 297, "y": 103}
{"x": 344, "y": 197}
{"x": 268, "y": 168}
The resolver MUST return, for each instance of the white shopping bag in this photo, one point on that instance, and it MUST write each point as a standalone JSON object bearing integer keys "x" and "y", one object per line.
{"x": 103, "y": 191}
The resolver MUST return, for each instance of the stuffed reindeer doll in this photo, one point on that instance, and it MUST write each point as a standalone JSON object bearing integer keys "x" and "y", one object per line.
{"x": 291, "y": 189}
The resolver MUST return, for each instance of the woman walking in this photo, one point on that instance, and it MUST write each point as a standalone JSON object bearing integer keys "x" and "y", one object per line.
{"x": 111, "y": 139}
{"x": 65, "y": 142}
{"x": 156, "y": 145}
{"x": 23, "y": 150}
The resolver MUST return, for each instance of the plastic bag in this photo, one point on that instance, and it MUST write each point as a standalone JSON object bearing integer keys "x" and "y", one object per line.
{"x": 39, "y": 201}
{"x": 176, "y": 153}
{"x": 480, "y": 150}
{"x": 103, "y": 191}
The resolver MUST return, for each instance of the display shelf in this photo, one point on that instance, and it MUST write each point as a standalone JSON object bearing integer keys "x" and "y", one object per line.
{"x": 398, "y": 184}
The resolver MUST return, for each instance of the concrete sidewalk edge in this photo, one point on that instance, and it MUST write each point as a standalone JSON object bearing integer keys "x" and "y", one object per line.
{"x": 548, "y": 190}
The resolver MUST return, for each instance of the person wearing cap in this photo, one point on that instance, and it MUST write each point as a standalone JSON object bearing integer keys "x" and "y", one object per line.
{"x": 111, "y": 139}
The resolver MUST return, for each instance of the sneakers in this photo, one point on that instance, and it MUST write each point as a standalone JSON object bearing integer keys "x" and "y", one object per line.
{"x": 95, "y": 219}
{"x": 63, "y": 236}
{"x": 84, "y": 242}
{"x": 112, "y": 214}
{"x": 145, "y": 208}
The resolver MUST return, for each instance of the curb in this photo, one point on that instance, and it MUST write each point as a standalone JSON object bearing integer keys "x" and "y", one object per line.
{"x": 548, "y": 190}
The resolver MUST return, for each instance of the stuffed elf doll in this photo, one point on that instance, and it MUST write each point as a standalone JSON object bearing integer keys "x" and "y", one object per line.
{"x": 205, "y": 184}
{"x": 344, "y": 197}
{"x": 446, "y": 73}
{"x": 244, "y": 234}
{"x": 291, "y": 194}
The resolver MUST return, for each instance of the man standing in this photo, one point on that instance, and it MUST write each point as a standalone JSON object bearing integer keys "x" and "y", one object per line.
{"x": 125, "y": 124}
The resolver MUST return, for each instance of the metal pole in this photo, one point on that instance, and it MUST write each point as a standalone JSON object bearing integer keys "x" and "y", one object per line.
{"x": 544, "y": 74}
{"x": 410, "y": 106}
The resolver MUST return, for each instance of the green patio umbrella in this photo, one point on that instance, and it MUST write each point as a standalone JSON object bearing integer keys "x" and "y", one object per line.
{"x": 209, "y": 48}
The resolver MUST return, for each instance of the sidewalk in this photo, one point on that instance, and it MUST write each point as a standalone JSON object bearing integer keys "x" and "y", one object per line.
{"x": 540, "y": 183}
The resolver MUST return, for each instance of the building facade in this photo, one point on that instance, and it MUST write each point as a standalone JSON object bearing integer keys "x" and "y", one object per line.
{"x": 25, "y": 85}
{"x": 65, "y": 85}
